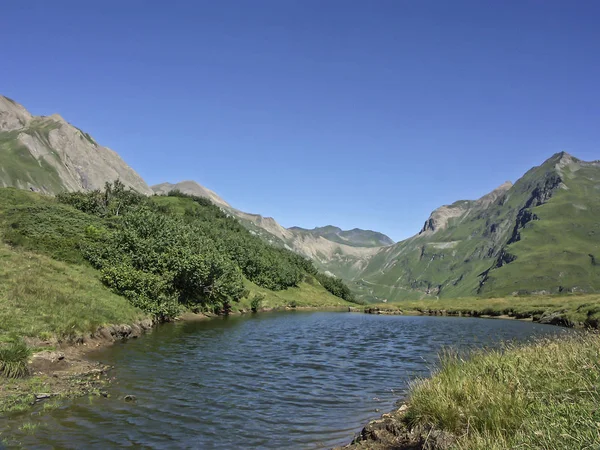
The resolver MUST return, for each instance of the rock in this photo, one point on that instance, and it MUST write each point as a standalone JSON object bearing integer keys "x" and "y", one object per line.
{"x": 47, "y": 361}
{"x": 40, "y": 397}
{"x": 130, "y": 398}
{"x": 556, "y": 318}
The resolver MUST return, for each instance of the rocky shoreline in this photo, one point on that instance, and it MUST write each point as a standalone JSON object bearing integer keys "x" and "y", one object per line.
{"x": 61, "y": 369}
{"x": 64, "y": 371}
{"x": 391, "y": 432}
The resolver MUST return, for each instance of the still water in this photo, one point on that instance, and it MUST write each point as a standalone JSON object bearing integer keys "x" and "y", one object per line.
{"x": 297, "y": 380}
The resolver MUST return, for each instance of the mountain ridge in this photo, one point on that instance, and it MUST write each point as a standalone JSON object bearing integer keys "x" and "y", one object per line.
{"x": 337, "y": 253}
{"x": 49, "y": 155}
{"x": 472, "y": 254}
{"x": 540, "y": 234}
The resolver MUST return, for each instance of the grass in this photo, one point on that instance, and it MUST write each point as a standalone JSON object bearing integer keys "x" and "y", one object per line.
{"x": 13, "y": 359}
{"x": 578, "y": 310}
{"x": 17, "y": 395}
{"x": 306, "y": 295}
{"x": 539, "y": 395}
{"x": 46, "y": 288}
{"x": 553, "y": 254}
{"x": 42, "y": 297}
{"x": 29, "y": 427}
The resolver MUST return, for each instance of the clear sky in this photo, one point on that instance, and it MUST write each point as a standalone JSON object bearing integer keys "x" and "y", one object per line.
{"x": 362, "y": 114}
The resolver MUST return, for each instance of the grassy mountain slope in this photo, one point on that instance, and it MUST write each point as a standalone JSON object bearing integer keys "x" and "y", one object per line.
{"x": 559, "y": 251}
{"x": 190, "y": 188}
{"x": 533, "y": 236}
{"x": 41, "y": 295}
{"x": 47, "y": 154}
{"x": 335, "y": 251}
{"x": 48, "y": 287}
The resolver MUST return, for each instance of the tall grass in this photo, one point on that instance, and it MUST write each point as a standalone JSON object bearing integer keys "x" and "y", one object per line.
{"x": 13, "y": 359}
{"x": 541, "y": 395}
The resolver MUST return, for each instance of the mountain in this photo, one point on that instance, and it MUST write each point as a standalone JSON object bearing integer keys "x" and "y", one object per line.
{"x": 333, "y": 250}
{"x": 355, "y": 237}
{"x": 540, "y": 235}
{"x": 49, "y": 155}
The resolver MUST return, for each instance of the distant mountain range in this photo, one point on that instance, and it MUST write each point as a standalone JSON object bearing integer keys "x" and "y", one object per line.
{"x": 540, "y": 235}
{"x": 330, "y": 247}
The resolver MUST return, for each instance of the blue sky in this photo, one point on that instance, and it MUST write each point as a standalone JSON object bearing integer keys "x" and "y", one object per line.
{"x": 362, "y": 114}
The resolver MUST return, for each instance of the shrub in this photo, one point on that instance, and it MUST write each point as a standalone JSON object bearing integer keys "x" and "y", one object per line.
{"x": 13, "y": 359}
{"x": 256, "y": 302}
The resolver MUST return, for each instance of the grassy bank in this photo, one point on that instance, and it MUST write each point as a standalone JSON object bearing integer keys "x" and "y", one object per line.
{"x": 572, "y": 310}
{"x": 541, "y": 395}
{"x": 307, "y": 294}
{"x": 44, "y": 298}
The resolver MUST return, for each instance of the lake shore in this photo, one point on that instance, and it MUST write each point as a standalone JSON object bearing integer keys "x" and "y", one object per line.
{"x": 540, "y": 395}
{"x": 575, "y": 311}
{"x": 62, "y": 369}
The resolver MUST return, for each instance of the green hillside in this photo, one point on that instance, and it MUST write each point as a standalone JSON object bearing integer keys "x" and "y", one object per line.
{"x": 540, "y": 235}
{"x": 73, "y": 263}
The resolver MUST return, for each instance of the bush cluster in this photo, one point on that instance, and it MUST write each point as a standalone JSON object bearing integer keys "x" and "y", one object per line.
{"x": 162, "y": 253}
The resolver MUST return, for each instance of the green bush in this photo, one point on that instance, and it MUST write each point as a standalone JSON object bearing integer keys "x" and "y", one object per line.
{"x": 161, "y": 252}
{"x": 336, "y": 286}
{"x": 256, "y": 302}
{"x": 13, "y": 359}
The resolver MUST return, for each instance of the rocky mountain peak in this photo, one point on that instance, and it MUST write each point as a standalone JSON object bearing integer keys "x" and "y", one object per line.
{"x": 54, "y": 156}
{"x": 440, "y": 217}
{"x": 493, "y": 196}
{"x": 13, "y": 116}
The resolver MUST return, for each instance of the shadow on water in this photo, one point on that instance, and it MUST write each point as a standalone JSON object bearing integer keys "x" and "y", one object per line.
{"x": 306, "y": 380}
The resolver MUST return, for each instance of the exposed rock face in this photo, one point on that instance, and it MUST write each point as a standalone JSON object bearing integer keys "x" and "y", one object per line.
{"x": 48, "y": 154}
{"x": 441, "y": 217}
{"x": 354, "y": 238}
{"x": 12, "y": 115}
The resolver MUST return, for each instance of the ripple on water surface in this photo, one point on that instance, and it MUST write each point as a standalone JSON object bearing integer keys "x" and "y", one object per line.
{"x": 273, "y": 381}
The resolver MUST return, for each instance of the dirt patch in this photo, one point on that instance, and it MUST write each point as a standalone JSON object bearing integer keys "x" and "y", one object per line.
{"x": 63, "y": 370}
